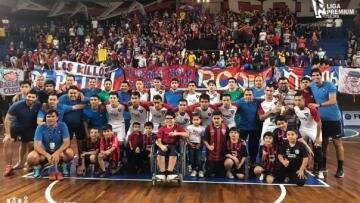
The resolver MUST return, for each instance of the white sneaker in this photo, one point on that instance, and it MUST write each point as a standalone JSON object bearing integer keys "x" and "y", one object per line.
{"x": 160, "y": 177}
{"x": 193, "y": 173}
{"x": 172, "y": 177}
{"x": 261, "y": 178}
{"x": 201, "y": 174}
{"x": 229, "y": 175}
{"x": 18, "y": 165}
{"x": 321, "y": 175}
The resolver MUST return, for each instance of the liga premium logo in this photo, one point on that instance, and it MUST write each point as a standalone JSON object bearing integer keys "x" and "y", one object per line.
{"x": 330, "y": 10}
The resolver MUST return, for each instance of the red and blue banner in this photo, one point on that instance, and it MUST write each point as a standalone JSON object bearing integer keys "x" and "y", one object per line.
{"x": 183, "y": 73}
{"x": 294, "y": 74}
{"x": 82, "y": 74}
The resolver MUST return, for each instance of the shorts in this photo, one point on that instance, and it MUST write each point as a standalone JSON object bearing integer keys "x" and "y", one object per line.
{"x": 240, "y": 170}
{"x": 309, "y": 133}
{"x": 79, "y": 131}
{"x": 171, "y": 150}
{"x": 331, "y": 129}
{"x": 120, "y": 132}
{"x": 23, "y": 135}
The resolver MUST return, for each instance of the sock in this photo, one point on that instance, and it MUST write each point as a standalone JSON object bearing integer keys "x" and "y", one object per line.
{"x": 340, "y": 164}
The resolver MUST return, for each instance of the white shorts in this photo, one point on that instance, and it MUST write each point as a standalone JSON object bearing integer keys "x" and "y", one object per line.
{"x": 120, "y": 131}
{"x": 309, "y": 134}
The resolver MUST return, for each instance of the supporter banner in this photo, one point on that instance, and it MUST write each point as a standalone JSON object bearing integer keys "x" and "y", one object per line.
{"x": 351, "y": 118}
{"x": 244, "y": 78}
{"x": 82, "y": 73}
{"x": 349, "y": 81}
{"x": 9, "y": 81}
{"x": 294, "y": 74}
{"x": 200, "y": 75}
{"x": 182, "y": 72}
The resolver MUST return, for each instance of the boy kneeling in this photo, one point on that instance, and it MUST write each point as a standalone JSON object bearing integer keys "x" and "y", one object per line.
{"x": 168, "y": 143}
{"x": 267, "y": 157}
{"x": 109, "y": 151}
{"x": 90, "y": 154}
{"x": 235, "y": 155}
{"x": 52, "y": 145}
{"x": 293, "y": 158}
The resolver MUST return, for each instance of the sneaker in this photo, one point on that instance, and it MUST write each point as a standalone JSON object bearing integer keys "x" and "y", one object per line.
{"x": 171, "y": 176}
{"x": 52, "y": 176}
{"x": 37, "y": 172}
{"x": 339, "y": 173}
{"x": 115, "y": 170}
{"x": 261, "y": 178}
{"x": 59, "y": 176}
{"x": 8, "y": 170}
{"x": 64, "y": 169}
{"x": 102, "y": 174}
{"x": 229, "y": 175}
{"x": 201, "y": 174}
{"x": 240, "y": 176}
{"x": 18, "y": 165}
{"x": 193, "y": 173}
{"x": 320, "y": 175}
{"x": 160, "y": 176}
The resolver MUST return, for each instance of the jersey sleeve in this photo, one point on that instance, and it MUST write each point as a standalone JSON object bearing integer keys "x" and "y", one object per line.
{"x": 38, "y": 133}
{"x": 315, "y": 114}
{"x": 207, "y": 135}
{"x": 332, "y": 88}
{"x": 13, "y": 109}
{"x": 64, "y": 130}
{"x": 160, "y": 134}
{"x": 41, "y": 114}
{"x": 260, "y": 111}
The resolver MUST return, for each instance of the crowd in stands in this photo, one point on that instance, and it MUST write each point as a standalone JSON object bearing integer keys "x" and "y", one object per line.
{"x": 252, "y": 40}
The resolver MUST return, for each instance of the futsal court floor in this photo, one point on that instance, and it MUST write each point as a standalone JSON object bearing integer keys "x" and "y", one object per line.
{"x": 131, "y": 188}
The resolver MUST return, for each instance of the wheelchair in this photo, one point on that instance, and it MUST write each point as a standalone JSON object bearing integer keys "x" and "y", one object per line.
{"x": 180, "y": 165}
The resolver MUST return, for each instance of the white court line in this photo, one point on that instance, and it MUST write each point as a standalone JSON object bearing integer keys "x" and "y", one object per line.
{"x": 193, "y": 181}
{"x": 282, "y": 194}
{"x": 48, "y": 192}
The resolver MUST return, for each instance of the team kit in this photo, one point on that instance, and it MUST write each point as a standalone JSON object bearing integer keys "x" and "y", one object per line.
{"x": 268, "y": 131}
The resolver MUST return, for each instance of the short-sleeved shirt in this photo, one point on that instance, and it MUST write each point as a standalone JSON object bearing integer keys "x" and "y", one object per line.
{"x": 104, "y": 95}
{"x": 295, "y": 154}
{"x": 95, "y": 118}
{"x": 71, "y": 118}
{"x": 321, "y": 94}
{"x": 136, "y": 140}
{"x": 48, "y": 135}
{"x": 258, "y": 92}
{"x": 24, "y": 117}
{"x": 234, "y": 95}
{"x": 196, "y": 133}
{"x": 173, "y": 97}
{"x": 163, "y": 134}
{"x": 88, "y": 92}
{"x": 236, "y": 149}
{"x": 61, "y": 110}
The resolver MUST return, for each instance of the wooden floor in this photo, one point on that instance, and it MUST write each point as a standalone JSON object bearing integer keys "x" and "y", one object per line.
{"x": 340, "y": 190}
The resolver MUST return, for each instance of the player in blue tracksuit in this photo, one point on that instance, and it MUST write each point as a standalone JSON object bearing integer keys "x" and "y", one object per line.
{"x": 173, "y": 95}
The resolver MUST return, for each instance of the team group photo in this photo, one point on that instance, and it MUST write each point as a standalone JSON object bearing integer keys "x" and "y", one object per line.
{"x": 179, "y": 101}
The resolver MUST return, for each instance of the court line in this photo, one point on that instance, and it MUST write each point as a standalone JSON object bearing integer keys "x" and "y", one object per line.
{"x": 282, "y": 194}
{"x": 48, "y": 192}
{"x": 191, "y": 181}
